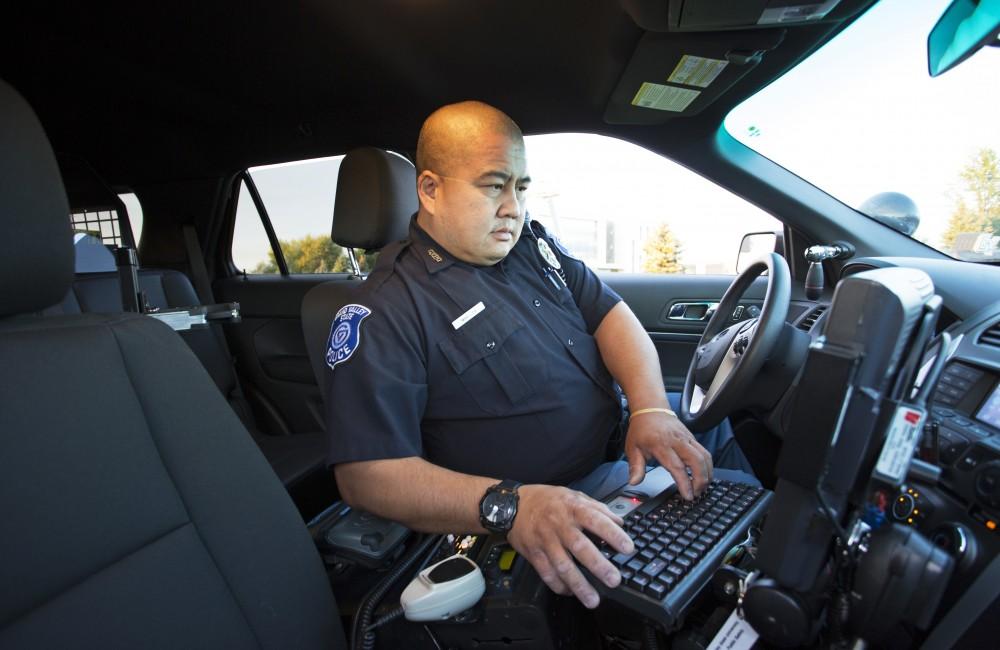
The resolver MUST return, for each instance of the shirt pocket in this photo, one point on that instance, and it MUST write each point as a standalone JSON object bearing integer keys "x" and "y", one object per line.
{"x": 480, "y": 352}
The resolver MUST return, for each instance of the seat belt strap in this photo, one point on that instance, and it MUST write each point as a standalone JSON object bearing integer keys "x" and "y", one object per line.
{"x": 196, "y": 261}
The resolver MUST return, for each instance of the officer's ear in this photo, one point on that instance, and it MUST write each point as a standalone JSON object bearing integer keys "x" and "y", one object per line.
{"x": 428, "y": 184}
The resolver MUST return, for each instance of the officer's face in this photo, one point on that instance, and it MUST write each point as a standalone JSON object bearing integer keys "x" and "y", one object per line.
{"x": 479, "y": 208}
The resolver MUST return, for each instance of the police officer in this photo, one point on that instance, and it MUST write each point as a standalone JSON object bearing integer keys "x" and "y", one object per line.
{"x": 474, "y": 376}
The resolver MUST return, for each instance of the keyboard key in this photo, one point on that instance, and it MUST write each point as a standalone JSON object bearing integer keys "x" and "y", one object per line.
{"x": 691, "y": 553}
{"x": 635, "y": 564}
{"x": 675, "y": 569}
{"x": 667, "y": 556}
{"x": 656, "y": 589}
{"x": 654, "y": 568}
{"x": 627, "y": 573}
{"x": 646, "y": 554}
{"x": 676, "y": 548}
{"x": 684, "y": 562}
{"x": 699, "y": 546}
{"x": 656, "y": 547}
{"x": 668, "y": 579}
{"x": 638, "y": 581}
{"x": 622, "y": 558}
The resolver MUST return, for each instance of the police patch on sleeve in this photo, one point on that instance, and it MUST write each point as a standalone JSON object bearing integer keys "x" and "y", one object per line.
{"x": 345, "y": 334}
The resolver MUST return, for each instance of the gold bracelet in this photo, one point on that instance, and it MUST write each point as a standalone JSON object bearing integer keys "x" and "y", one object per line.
{"x": 641, "y": 411}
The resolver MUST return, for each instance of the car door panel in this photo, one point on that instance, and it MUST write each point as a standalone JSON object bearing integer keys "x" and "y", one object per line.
{"x": 652, "y": 297}
{"x": 270, "y": 349}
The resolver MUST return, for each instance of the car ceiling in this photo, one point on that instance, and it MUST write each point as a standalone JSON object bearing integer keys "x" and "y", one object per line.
{"x": 151, "y": 92}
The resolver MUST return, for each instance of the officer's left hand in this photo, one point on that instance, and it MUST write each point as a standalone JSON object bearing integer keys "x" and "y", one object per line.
{"x": 665, "y": 438}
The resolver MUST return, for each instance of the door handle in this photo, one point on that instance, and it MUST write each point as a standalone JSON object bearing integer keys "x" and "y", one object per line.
{"x": 692, "y": 311}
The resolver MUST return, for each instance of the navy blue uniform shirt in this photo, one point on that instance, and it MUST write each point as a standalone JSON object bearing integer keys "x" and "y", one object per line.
{"x": 486, "y": 370}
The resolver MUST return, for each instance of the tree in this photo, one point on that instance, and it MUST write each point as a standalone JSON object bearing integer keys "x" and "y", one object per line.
{"x": 314, "y": 254}
{"x": 977, "y": 209}
{"x": 662, "y": 252}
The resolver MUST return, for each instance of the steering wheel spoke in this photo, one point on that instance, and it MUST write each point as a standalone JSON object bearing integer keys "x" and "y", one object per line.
{"x": 728, "y": 356}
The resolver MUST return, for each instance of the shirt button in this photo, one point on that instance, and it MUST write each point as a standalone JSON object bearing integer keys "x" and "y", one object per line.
{"x": 569, "y": 342}
{"x": 537, "y": 302}
{"x": 491, "y": 344}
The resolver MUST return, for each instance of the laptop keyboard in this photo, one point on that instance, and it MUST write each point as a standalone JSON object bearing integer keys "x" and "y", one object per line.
{"x": 679, "y": 544}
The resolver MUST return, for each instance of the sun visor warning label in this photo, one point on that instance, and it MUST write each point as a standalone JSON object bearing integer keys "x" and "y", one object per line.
{"x": 697, "y": 71}
{"x": 664, "y": 98}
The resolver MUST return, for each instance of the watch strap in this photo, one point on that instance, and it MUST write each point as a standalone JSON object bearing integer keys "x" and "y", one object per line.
{"x": 507, "y": 484}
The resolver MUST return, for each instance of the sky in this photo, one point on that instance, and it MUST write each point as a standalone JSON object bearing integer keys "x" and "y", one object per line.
{"x": 859, "y": 117}
{"x": 862, "y": 115}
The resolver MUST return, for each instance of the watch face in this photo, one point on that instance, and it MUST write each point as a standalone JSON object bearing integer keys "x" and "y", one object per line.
{"x": 498, "y": 508}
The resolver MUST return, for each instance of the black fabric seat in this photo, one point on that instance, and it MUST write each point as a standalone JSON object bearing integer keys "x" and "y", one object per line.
{"x": 376, "y": 196}
{"x": 298, "y": 459}
{"x": 293, "y": 457}
{"x": 136, "y": 511}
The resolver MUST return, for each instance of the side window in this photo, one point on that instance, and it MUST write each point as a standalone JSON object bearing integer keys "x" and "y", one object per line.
{"x": 622, "y": 208}
{"x": 298, "y": 200}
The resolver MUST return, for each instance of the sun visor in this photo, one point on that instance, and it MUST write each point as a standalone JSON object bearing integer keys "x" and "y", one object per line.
{"x": 715, "y": 15}
{"x": 678, "y": 75}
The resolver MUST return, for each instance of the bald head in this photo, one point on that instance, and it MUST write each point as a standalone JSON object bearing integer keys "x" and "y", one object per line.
{"x": 446, "y": 136}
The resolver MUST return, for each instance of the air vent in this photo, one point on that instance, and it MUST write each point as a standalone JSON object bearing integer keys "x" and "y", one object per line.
{"x": 991, "y": 336}
{"x": 807, "y": 323}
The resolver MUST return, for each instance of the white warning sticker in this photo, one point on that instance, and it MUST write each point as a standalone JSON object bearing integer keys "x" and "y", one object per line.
{"x": 735, "y": 634}
{"x": 664, "y": 98}
{"x": 900, "y": 442}
{"x": 697, "y": 71}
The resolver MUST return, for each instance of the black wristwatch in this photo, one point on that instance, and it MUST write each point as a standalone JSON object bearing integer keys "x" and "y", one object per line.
{"x": 498, "y": 507}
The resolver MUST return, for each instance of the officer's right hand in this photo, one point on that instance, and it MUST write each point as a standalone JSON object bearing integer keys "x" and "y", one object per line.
{"x": 549, "y": 532}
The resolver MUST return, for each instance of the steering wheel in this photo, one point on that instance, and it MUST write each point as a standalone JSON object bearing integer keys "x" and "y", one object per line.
{"x": 729, "y": 355}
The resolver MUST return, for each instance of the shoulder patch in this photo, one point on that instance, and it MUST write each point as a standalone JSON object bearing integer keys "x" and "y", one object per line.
{"x": 345, "y": 333}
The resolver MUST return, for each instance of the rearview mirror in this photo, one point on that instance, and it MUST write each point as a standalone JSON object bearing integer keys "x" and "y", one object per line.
{"x": 754, "y": 246}
{"x": 964, "y": 28}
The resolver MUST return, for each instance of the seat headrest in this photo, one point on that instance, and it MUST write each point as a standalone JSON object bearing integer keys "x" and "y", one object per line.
{"x": 376, "y": 196}
{"x": 36, "y": 248}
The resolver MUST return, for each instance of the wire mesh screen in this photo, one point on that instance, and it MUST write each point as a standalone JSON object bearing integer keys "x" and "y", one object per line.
{"x": 102, "y": 224}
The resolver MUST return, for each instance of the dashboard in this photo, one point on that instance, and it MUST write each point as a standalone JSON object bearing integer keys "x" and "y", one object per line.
{"x": 960, "y": 511}
{"x": 956, "y": 502}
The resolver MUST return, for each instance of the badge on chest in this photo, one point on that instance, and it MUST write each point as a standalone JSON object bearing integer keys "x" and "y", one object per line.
{"x": 548, "y": 254}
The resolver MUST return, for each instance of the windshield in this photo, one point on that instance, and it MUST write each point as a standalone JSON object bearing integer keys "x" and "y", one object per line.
{"x": 863, "y": 120}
